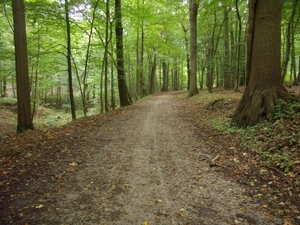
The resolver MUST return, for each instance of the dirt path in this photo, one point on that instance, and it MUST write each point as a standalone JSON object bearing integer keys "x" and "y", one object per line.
{"x": 142, "y": 166}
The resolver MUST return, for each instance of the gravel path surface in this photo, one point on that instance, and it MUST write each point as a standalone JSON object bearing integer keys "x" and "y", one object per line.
{"x": 142, "y": 166}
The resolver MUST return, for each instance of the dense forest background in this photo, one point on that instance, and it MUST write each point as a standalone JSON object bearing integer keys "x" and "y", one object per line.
{"x": 85, "y": 57}
{"x": 156, "y": 49}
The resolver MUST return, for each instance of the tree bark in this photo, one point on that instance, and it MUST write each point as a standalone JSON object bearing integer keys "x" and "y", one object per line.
{"x": 194, "y": 5}
{"x": 69, "y": 55}
{"x": 265, "y": 85}
{"x": 123, "y": 90}
{"x": 238, "y": 70}
{"x": 153, "y": 74}
{"x": 226, "y": 62}
{"x": 289, "y": 31}
{"x": 22, "y": 71}
{"x": 165, "y": 75}
{"x": 188, "y": 68}
{"x": 106, "y": 49}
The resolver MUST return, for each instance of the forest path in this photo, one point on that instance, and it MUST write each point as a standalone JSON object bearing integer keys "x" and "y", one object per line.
{"x": 142, "y": 166}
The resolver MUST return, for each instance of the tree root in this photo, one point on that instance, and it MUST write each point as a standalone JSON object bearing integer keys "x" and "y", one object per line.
{"x": 283, "y": 175}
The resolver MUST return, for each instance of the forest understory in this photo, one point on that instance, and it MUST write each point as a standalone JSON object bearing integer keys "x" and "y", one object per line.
{"x": 164, "y": 160}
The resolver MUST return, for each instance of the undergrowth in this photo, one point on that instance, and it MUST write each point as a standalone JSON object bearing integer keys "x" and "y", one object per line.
{"x": 277, "y": 142}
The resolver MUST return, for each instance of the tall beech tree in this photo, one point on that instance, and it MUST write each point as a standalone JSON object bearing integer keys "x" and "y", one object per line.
{"x": 122, "y": 86}
{"x": 194, "y": 5}
{"x": 22, "y": 71}
{"x": 123, "y": 90}
{"x": 265, "y": 85}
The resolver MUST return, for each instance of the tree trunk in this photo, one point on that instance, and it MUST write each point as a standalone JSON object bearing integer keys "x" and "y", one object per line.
{"x": 188, "y": 68}
{"x": 107, "y": 41}
{"x": 86, "y": 63}
{"x": 123, "y": 90}
{"x": 298, "y": 79}
{"x": 194, "y": 5}
{"x": 35, "y": 88}
{"x": 238, "y": 70}
{"x": 265, "y": 84}
{"x": 22, "y": 71}
{"x": 165, "y": 76}
{"x": 226, "y": 63}
{"x": 289, "y": 30}
{"x": 72, "y": 103}
{"x": 153, "y": 75}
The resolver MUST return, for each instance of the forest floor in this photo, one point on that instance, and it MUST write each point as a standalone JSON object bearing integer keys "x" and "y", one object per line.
{"x": 146, "y": 164}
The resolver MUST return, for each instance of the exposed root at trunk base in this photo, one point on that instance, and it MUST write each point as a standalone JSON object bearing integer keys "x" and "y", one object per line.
{"x": 257, "y": 107}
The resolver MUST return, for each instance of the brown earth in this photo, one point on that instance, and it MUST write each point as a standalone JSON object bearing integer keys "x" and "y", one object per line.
{"x": 146, "y": 164}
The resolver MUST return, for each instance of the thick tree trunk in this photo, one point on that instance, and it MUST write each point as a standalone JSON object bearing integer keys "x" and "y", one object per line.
{"x": 123, "y": 90}
{"x": 22, "y": 71}
{"x": 265, "y": 84}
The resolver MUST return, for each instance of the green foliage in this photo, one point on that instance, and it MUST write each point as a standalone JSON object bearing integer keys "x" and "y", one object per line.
{"x": 8, "y": 102}
{"x": 220, "y": 124}
{"x": 278, "y": 142}
{"x": 286, "y": 110}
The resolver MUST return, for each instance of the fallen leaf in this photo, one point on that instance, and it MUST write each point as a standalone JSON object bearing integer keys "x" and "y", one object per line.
{"x": 182, "y": 214}
{"x": 39, "y": 206}
{"x": 71, "y": 169}
{"x": 73, "y": 164}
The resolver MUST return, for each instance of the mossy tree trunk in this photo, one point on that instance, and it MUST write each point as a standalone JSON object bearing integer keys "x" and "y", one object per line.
{"x": 265, "y": 85}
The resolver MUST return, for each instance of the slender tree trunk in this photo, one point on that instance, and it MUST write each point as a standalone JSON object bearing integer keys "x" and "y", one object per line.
{"x": 123, "y": 90}
{"x": 112, "y": 86}
{"x": 294, "y": 66}
{"x": 153, "y": 74}
{"x": 36, "y": 79}
{"x": 193, "y": 7}
{"x": 138, "y": 82}
{"x": 69, "y": 55}
{"x": 210, "y": 56}
{"x": 165, "y": 76}
{"x": 107, "y": 41}
{"x": 176, "y": 76}
{"x": 142, "y": 78}
{"x": 293, "y": 72}
{"x": 238, "y": 70}
{"x": 188, "y": 68}
{"x": 226, "y": 67}
{"x": 289, "y": 29}
{"x": 22, "y": 71}
{"x": 298, "y": 79}
{"x": 86, "y": 63}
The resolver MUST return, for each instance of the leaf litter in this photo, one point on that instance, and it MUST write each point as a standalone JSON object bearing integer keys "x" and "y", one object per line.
{"x": 143, "y": 164}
